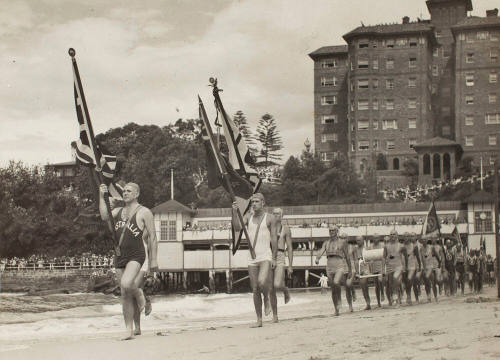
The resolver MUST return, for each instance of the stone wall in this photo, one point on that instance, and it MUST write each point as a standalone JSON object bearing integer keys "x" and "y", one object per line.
{"x": 26, "y": 280}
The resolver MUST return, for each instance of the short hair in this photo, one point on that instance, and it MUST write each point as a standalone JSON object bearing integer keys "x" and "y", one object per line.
{"x": 394, "y": 232}
{"x": 135, "y": 186}
{"x": 259, "y": 196}
{"x": 280, "y": 210}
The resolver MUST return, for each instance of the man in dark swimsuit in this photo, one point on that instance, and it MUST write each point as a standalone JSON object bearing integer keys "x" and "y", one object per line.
{"x": 133, "y": 223}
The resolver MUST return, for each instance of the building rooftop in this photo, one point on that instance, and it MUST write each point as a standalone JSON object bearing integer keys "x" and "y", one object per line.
{"x": 172, "y": 206}
{"x": 481, "y": 196}
{"x": 437, "y": 141}
{"x": 388, "y": 29}
{"x": 468, "y": 3}
{"x": 67, "y": 163}
{"x": 329, "y": 50}
{"x": 474, "y": 22}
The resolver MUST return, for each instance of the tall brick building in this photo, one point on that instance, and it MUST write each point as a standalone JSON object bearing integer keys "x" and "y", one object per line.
{"x": 397, "y": 85}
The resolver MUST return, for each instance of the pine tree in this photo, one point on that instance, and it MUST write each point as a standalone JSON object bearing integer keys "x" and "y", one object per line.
{"x": 241, "y": 122}
{"x": 270, "y": 140}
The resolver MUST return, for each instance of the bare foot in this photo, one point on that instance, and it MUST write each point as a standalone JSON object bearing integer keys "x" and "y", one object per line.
{"x": 148, "y": 308}
{"x": 275, "y": 319}
{"x": 267, "y": 305}
{"x": 287, "y": 296}
{"x": 336, "y": 312}
{"x": 257, "y": 324}
{"x": 129, "y": 335}
{"x": 137, "y": 332}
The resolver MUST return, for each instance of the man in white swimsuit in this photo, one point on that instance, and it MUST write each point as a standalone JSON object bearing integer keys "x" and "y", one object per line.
{"x": 261, "y": 228}
{"x": 284, "y": 242}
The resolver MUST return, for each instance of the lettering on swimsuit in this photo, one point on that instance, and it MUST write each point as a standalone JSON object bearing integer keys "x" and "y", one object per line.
{"x": 133, "y": 228}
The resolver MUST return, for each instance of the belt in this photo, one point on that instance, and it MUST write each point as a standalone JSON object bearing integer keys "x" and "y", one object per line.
{"x": 281, "y": 250}
{"x": 330, "y": 256}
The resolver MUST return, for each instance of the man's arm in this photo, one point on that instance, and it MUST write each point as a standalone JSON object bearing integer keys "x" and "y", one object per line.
{"x": 103, "y": 189}
{"x": 289, "y": 245}
{"x": 416, "y": 251}
{"x": 323, "y": 249}
{"x": 149, "y": 225}
{"x": 348, "y": 258}
{"x": 271, "y": 222}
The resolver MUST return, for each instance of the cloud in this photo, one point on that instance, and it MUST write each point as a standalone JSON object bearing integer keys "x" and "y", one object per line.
{"x": 140, "y": 63}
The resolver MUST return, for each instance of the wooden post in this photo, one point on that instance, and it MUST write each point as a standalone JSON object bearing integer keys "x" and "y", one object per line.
{"x": 229, "y": 281}
{"x": 497, "y": 236}
{"x": 184, "y": 280}
{"x": 306, "y": 278}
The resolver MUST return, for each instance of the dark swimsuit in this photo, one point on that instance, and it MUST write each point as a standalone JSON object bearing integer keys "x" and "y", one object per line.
{"x": 132, "y": 246}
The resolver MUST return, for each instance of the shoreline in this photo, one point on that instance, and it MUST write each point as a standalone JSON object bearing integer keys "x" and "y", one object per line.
{"x": 454, "y": 328}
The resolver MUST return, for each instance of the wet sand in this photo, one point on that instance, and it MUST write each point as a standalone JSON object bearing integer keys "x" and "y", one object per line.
{"x": 454, "y": 328}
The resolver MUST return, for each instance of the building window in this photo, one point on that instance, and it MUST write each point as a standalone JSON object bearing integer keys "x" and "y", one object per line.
{"x": 389, "y": 64}
{"x": 375, "y": 144}
{"x": 483, "y": 221}
{"x": 446, "y": 53}
{"x": 412, "y": 123}
{"x": 390, "y": 145}
{"x": 493, "y": 55}
{"x": 470, "y": 37}
{"x": 492, "y": 98}
{"x": 328, "y": 81}
{"x": 461, "y": 36}
{"x": 363, "y": 145}
{"x": 412, "y": 103}
{"x": 469, "y": 79}
{"x": 164, "y": 230}
{"x": 364, "y": 43}
{"x": 329, "y": 137}
{"x": 329, "y": 119}
{"x": 412, "y": 62}
{"x": 492, "y": 119}
{"x": 168, "y": 231}
{"x": 328, "y": 100}
{"x": 327, "y": 156}
{"x": 412, "y": 82}
{"x": 469, "y": 99}
{"x": 439, "y": 33}
{"x": 389, "y": 43}
{"x": 362, "y": 64}
{"x": 363, "y": 124}
{"x": 446, "y": 130}
{"x": 389, "y": 104}
{"x": 363, "y": 105}
{"x": 435, "y": 52}
{"x": 493, "y": 36}
{"x": 363, "y": 84}
{"x": 401, "y": 42}
{"x": 413, "y": 42}
{"x": 492, "y": 140}
{"x": 375, "y": 124}
{"x": 389, "y": 124}
{"x": 375, "y": 83}
{"x": 353, "y": 146}
{"x": 493, "y": 160}
{"x": 412, "y": 143}
{"x": 469, "y": 140}
{"x": 445, "y": 111}
{"x": 469, "y": 120}
{"x": 493, "y": 77}
{"x": 482, "y": 35}
{"x": 389, "y": 84}
{"x": 329, "y": 63}
{"x": 375, "y": 104}
{"x": 469, "y": 58}
{"x": 435, "y": 70}
{"x": 375, "y": 64}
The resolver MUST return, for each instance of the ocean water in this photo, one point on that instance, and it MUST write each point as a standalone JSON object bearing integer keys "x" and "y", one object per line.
{"x": 24, "y": 317}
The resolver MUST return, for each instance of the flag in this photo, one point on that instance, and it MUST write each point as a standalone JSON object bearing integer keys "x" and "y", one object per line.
{"x": 456, "y": 236}
{"x": 431, "y": 224}
{"x": 87, "y": 150}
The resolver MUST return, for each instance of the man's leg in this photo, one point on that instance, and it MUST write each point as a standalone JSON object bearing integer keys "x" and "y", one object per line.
{"x": 348, "y": 291}
{"x": 265, "y": 284}
{"x": 337, "y": 280}
{"x": 397, "y": 283}
{"x": 378, "y": 289}
{"x": 363, "y": 282}
{"x": 139, "y": 282}
{"x": 278, "y": 285}
{"x": 129, "y": 293}
{"x": 409, "y": 282}
{"x": 433, "y": 282}
{"x": 427, "y": 283}
{"x": 253, "y": 273}
{"x": 389, "y": 287}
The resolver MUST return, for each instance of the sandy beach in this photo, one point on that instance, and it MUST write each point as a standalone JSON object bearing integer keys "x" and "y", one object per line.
{"x": 454, "y": 328}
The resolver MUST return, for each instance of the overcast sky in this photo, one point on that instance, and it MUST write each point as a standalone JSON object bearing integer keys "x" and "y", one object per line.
{"x": 146, "y": 62}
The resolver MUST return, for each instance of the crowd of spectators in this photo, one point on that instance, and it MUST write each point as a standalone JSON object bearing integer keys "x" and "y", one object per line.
{"x": 41, "y": 262}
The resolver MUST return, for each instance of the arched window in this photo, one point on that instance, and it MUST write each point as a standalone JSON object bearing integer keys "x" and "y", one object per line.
{"x": 446, "y": 166}
{"x": 436, "y": 166}
{"x": 395, "y": 164}
{"x": 427, "y": 164}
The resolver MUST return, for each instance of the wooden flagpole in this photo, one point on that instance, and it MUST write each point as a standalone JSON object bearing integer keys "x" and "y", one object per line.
{"x": 100, "y": 178}
{"x": 223, "y": 171}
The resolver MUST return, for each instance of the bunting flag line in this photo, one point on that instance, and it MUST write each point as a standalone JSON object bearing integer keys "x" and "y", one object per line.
{"x": 431, "y": 223}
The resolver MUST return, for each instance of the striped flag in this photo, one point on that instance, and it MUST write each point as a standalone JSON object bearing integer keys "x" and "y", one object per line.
{"x": 431, "y": 224}
{"x": 88, "y": 152}
{"x": 240, "y": 160}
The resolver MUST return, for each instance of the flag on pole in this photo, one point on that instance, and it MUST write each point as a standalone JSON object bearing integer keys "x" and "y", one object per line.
{"x": 456, "y": 236}
{"x": 88, "y": 152}
{"x": 431, "y": 224}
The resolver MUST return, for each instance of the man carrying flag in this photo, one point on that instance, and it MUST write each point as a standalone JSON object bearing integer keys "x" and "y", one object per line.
{"x": 460, "y": 260}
